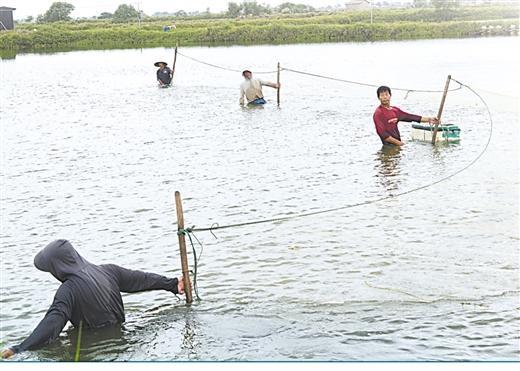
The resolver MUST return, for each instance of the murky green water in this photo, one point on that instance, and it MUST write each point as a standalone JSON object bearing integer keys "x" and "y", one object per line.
{"x": 93, "y": 151}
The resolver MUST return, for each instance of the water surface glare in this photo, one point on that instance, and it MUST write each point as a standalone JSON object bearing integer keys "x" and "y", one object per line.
{"x": 93, "y": 151}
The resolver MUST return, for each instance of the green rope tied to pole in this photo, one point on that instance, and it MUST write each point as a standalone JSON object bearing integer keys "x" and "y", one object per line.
{"x": 189, "y": 232}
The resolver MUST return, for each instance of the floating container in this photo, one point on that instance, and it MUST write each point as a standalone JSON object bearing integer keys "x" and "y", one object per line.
{"x": 445, "y": 133}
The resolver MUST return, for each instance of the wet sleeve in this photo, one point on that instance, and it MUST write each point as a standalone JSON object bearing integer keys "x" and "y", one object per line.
{"x": 380, "y": 122}
{"x": 137, "y": 281}
{"x": 407, "y": 117}
{"x": 54, "y": 321}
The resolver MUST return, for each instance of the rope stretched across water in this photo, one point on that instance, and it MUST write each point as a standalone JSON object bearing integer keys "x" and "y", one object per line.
{"x": 410, "y": 90}
{"x": 364, "y": 83}
{"x": 341, "y": 80}
{"x": 220, "y": 67}
{"x": 497, "y": 93}
{"x": 419, "y": 299}
{"x": 216, "y": 226}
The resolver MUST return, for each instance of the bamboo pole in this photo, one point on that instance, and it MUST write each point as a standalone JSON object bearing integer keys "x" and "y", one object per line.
{"x": 182, "y": 248}
{"x": 441, "y": 108}
{"x": 278, "y": 82}
{"x": 174, "y": 60}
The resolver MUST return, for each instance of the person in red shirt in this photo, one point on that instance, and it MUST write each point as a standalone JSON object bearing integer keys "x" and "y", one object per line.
{"x": 386, "y": 118}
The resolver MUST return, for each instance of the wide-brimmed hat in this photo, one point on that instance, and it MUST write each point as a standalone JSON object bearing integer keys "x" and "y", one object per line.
{"x": 156, "y": 64}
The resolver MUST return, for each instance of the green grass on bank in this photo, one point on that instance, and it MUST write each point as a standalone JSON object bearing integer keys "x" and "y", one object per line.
{"x": 390, "y": 24}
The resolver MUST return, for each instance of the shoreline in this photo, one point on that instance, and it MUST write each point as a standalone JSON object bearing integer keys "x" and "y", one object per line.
{"x": 8, "y": 53}
{"x": 390, "y": 25}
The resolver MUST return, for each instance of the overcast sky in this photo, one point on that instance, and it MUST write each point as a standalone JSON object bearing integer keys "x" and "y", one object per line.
{"x": 87, "y": 8}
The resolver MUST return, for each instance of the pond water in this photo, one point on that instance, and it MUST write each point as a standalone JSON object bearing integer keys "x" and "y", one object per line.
{"x": 93, "y": 151}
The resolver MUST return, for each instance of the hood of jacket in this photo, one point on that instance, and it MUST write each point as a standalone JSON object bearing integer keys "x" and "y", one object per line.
{"x": 60, "y": 259}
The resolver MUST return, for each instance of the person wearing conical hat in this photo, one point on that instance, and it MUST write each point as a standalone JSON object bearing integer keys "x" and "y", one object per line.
{"x": 164, "y": 74}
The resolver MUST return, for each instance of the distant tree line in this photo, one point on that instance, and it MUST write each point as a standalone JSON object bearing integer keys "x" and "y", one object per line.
{"x": 58, "y": 11}
{"x": 437, "y": 4}
{"x": 61, "y": 11}
{"x": 252, "y": 8}
{"x": 390, "y": 24}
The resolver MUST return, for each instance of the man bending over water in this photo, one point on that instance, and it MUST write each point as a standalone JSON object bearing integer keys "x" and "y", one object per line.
{"x": 386, "y": 118}
{"x": 89, "y": 293}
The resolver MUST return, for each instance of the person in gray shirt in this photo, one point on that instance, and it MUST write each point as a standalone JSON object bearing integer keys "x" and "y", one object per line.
{"x": 164, "y": 74}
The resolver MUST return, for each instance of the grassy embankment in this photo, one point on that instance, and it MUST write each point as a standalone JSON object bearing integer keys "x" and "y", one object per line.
{"x": 396, "y": 24}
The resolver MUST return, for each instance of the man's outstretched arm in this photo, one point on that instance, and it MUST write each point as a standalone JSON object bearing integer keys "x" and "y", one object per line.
{"x": 50, "y": 326}
{"x": 270, "y": 84}
{"x": 137, "y": 281}
{"x": 408, "y": 117}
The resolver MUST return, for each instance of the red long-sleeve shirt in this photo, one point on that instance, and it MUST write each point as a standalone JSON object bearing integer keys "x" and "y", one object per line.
{"x": 386, "y": 120}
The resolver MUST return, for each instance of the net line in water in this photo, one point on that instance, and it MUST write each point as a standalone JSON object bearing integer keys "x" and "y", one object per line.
{"x": 419, "y": 299}
{"x": 216, "y": 226}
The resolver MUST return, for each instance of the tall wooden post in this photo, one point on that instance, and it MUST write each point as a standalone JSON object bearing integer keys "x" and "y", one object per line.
{"x": 182, "y": 248}
{"x": 278, "y": 82}
{"x": 174, "y": 60}
{"x": 441, "y": 108}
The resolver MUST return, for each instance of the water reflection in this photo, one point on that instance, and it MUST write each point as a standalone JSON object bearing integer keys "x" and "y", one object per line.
{"x": 237, "y": 165}
{"x": 252, "y": 107}
{"x": 190, "y": 345}
{"x": 387, "y": 167}
{"x": 96, "y": 344}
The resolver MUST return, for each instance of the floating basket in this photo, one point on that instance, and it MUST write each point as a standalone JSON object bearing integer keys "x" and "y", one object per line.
{"x": 445, "y": 133}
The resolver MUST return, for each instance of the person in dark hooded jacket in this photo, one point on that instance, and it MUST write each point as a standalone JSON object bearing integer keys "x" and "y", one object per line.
{"x": 89, "y": 293}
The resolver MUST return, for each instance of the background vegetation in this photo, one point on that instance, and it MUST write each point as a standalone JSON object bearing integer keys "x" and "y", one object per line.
{"x": 128, "y": 28}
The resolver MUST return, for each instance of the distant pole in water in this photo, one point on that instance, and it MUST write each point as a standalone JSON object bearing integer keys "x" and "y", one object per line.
{"x": 278, "y": 82}
{"x": 441, "y": 108}
{"x": 174, "y": 60}
{"x": 182, "y": 248}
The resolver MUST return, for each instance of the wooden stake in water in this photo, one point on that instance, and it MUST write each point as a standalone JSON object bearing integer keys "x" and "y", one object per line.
{"x": 441, "y": 108}
{"x": 182, "y": 248}
{"x": 174, "y": 60}
{"x": 278, "y": 82}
